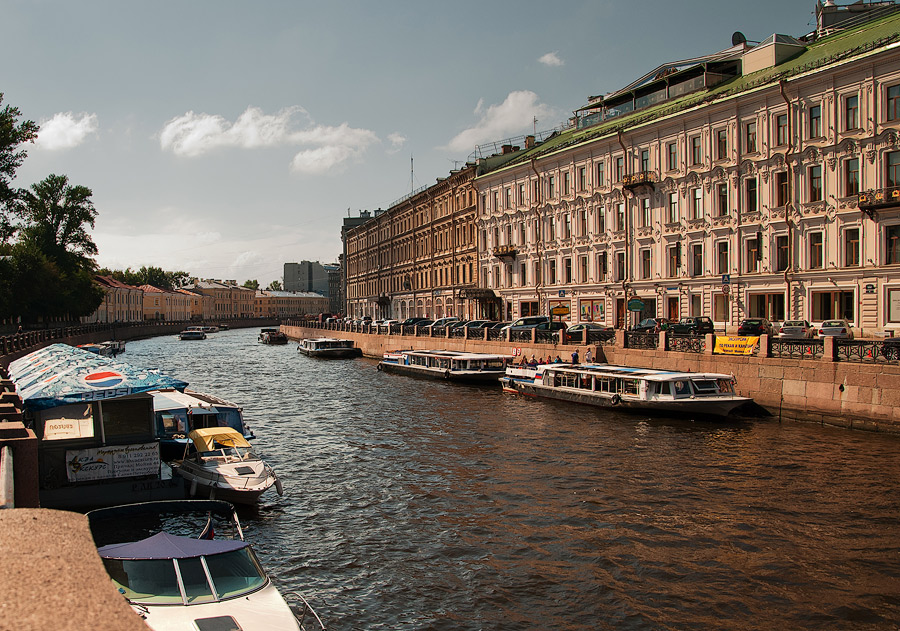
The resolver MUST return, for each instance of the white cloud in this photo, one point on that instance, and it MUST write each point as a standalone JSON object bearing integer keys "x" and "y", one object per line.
{"x": 397, "y": 141}
{"x": 247, "y": 259}
{"x": 66, "y": 130}
{"x": 512, "y": 117}
{"x": 551, "y": 59}
{"x": 193, "y": 135}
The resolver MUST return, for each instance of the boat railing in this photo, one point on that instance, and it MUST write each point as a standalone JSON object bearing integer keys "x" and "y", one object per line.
{"x": 306, "y": 616}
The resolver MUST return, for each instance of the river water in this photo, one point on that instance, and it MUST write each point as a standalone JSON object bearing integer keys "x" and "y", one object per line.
{"x": 413, "y": 504}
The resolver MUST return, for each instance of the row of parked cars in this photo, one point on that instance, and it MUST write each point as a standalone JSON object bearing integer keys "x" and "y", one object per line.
{"x": 794, "y": 329}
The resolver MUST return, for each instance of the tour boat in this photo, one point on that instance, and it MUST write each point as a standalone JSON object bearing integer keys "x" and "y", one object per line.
{"x": 628, "y": 388}
{"x": 451, "y": 365}
{"x": 222, "y": 466}
{"x": 110, "y": 348}
{"x": 192, "y": 333}
{"x": 179, "y": 413}
{"x": 180, "y": 582}
{"x": 328, "y": 347}
{"x": 272, "y": 336}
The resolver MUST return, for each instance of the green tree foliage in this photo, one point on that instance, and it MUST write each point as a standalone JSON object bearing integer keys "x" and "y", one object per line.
{"x": 251, "y": 284}
{"x": 275, "y": 285}
{"x": 12, "y": 134}
{"x": 156, "y": 276}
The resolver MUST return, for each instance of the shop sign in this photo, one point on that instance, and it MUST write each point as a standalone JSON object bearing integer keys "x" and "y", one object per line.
{"x": 870, "y": 288}
{"x": 734, "y": 345}
{"x": 560, "y": 311}
{"x": 635, "y": 304}
{"x": 112, "y": 461}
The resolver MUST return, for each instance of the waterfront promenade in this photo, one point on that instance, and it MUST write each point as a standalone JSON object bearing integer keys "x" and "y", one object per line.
{"x": 853, "y": 384}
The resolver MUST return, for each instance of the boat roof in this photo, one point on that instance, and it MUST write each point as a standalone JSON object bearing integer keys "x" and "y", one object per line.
{"x": 206, "y": 438}
{"x": 163, "y": 545}
{"x": 60, "y": 374}
{"x": 171, "y": 399}
{"x": 650, "y": 374}
{"x": 324, "y": 339}
{"x": 456, "y": 354}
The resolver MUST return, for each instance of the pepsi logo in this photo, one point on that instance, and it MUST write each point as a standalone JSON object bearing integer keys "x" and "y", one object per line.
{"x": 105, "y": 379}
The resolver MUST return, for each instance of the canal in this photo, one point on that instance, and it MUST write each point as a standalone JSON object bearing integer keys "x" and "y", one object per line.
{"x": 421, "y": 505}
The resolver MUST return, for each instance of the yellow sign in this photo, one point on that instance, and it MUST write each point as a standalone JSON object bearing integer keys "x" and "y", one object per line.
{"x": 731, "y": 345}
{"x": 561, "y": 310}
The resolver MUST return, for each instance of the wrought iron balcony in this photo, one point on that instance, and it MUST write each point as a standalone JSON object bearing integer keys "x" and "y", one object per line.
{"x": 505, "y": 251}
{"x": 879, "y": 198}
{"x": 638, "y": 180}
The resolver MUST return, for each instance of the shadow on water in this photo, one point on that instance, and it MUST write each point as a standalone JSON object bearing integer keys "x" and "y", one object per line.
{"x": 413, "y": 504}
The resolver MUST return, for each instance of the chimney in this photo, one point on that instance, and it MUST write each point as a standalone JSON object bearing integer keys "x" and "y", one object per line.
{"x": 529, "y": 142}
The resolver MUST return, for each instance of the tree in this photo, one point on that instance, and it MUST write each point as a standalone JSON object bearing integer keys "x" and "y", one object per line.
{"x": 251, "y": 284}
{"x": 12, "y": 134}
{"x": 275, "y": 285}
{"x": 156, "y": 276}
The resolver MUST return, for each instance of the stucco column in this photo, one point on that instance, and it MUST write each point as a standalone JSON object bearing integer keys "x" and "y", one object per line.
{"x": 828, "y": 354}
{"x": 620, "y": 338}
{"x": 710, "y": 343}
{"x": 764, "y": 345}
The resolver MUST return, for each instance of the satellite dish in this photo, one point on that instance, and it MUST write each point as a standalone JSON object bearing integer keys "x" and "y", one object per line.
{"x": 738, "y": 38}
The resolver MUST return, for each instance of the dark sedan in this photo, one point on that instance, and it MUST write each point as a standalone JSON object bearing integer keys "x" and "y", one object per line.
{"x": 755, "y": 326}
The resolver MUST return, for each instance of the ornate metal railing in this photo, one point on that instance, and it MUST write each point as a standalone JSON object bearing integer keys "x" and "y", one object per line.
{"x": 495, "y": 334}
{"x": 438, "y": 331}
{"x": 686, "y": 343}
{"x": 796, "y": 349}
{"x": 867, "y": 351}
{"x": 423, "y": 331}
{"x": 604, "y": 338}
{"x": 641, "y": 340}
{"x": 546, "y": 337}
{"x": 459, "y": 331}
{"x": 520, "y": 336}
{"x": 408, "y": 330}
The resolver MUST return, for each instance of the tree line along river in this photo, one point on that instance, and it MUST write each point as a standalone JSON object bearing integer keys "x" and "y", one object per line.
{"x": 413, "y": 504}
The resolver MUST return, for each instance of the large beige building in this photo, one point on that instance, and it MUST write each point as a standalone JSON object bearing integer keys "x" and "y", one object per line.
{"x": 229, "y": 299}
{"x": 121, "y": 302}
{"x": 165, "y": 305}
{"x": 288, "y": 304}
{"x": 762, "y": 180}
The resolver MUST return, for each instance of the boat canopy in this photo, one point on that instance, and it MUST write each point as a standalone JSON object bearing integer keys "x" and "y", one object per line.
{"x": 211, "y": 438}
{"x": 164, "y": 401}
{"x": 162, "y": 545}
{"x": 60, "y": 374}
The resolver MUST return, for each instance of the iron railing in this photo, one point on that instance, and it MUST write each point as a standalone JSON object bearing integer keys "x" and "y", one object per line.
{"x": 641, "y": 340}
{"x": 686, "y": 343}
{"x": 796, "y": 348}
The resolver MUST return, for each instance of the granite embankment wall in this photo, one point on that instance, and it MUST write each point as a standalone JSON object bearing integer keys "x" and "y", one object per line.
{"x": 845, "y": 394}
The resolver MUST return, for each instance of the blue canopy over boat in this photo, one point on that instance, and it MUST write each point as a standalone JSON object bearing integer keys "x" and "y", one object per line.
{"x": 162, "y": 545}
{"x": 60, "y": 374}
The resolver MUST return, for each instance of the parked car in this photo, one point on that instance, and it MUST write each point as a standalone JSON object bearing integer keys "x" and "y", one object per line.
{"x": 442, "y": 322}
{"x": 695, "y": 325}
{"x": 528, "y": 322}
{"x": 412, "y": 321}
{"x": 499, "y": 326}
{"x": 797, "y": 329}
{"x": 651, "y": 325}
{"x": 836, "y": 328}
{"x": 478, "y": 324}
{"x": 576, "y": 331}
{"x": 755, "y": 326}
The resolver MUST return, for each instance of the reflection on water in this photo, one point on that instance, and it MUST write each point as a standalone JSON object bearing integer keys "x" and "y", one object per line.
{"x": 425, "y": 505}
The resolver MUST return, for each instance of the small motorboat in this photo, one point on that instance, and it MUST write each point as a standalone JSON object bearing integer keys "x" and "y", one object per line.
{"x": 272, "y": 336}
{"x": 223, "y": 466}
{"x": 328, "y": 348}
{"x": 208, "y": 583}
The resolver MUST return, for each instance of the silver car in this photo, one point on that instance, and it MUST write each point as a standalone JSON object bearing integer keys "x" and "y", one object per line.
{"x": 797, "y": 329}
{"x": 836, "y": 328}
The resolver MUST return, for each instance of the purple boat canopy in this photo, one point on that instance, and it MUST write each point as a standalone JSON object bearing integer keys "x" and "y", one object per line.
{"x": 162, "y": 545}
{"x": 62, "y": 375}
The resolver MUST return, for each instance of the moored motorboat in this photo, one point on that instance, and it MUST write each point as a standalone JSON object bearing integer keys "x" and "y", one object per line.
{"x": 450, "y": 365}
{"x": 180, "y": 582}
{"x": 272, "y": 336}
{"x": 328, "y": 348}
{"x": 628, "y": 388}
{"x": 223, "y": 466}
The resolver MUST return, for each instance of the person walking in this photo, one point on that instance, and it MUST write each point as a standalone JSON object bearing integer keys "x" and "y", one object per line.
{"x": 587, "y": 356}
{"x": 575, "y": 357}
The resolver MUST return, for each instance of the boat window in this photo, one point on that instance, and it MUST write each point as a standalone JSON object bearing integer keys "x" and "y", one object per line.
{"x": 630, "y": 386}
{"x": 705, "y": 386}
{"x": 146, "y": 580}
{"x": 652, "y": 388}
{"x": 681, "y": 388}
{"x": 235, "y": 573}
{"x": 196, "y": 587}
{"x": 725, "y": 386}
{"x": 605, "y": 384}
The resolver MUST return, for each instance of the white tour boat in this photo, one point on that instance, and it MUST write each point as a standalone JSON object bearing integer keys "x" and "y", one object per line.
{"x": 177, "y": 582}
{"x": 223, "y": 466}
{"x": 192, "y": 333}
{"x": 628, "y": 388}
{"x": 451, "y": 365}
{"x": 328, "y": 348}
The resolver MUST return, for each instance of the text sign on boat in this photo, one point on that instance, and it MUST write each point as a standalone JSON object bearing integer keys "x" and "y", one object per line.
{"x": 112, "y": 461}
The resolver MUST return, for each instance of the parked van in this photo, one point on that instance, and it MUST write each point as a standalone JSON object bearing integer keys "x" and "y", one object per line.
{"x": 528, "y": 322}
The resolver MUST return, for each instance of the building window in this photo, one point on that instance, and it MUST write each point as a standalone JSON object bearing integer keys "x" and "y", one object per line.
{"x": 536, "y": 190}
{"x": 697, "y": 203}
{"x": 781, "y": 129}
{"x": 892, "y": 245}
{"x": 602, "y": 266}
{"x": 751, "y": 201}
{"x": 620, "y": 216}
{"x": 722, "y": 263}
{"x": 601, "y": 219}
{"x": 645, "y": 212}
{"x": 815, "y": 184}
{"x": 851, "y": 177}
{"x": 567, "y": 226}
{"x": 536, "y": 273}
{"x": 566, "y": 185}
{"x": 696, "y": 154}
{"x": 551, "y": 187}
{"x": 769, "y": 306}
{"x": 551, "y": 225}
{"x": 851, "y": 247}
{"x": 507, "y": 194}
{"x": 722, "y": 199}
{"x": 645, "y": 264}
{"x": 672, "y": 209}
{"x": 781, "y": 188}
{"x": 601, "y": 175}
{"x": 816, "y": 253}
{"x": 674, "y": 252}
{"x": 521, "y": 194}
{"x": 582, "y": 222}
{"x": 552, "y": 272}
{"x": 582, "y": 178}
{"x": 815, "y": 121}
{"x": 620, "y": 169}
{"x": 781, "y": 253}
{"x": 851, "y": 113}
{"x": 750, "y": 138}
{"x": 620, "y": 266}
{"x": 567, "y": 270}
{"x": 754, "y": 254}
{"x": 893, "y": 169}
{"x": 671, "y": 156}
{"x": 833, "y": 304}
{"x": 645, "y": 160}
{"x": 722, "y": 144}
{"x": 583, "y": 269}
{"x": 893, "y": 103}
{"x": 697, "y": 259}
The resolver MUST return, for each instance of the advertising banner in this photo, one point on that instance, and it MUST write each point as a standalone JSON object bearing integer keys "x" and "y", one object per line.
{"x": 112, "y": 461}
{"x": 732, "y": 345}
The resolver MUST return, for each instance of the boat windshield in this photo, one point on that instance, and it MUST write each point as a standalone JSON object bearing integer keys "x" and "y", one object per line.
{"x": 155, "y": 581}
{"x": 228, "y": 453}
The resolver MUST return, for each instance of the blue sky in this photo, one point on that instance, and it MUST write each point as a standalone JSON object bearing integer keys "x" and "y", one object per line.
{"x": 226, "y": 138}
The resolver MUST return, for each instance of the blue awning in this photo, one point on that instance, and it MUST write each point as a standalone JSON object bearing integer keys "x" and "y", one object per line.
{"x": 162, "y": 545}
{"x": 62, "y": 375}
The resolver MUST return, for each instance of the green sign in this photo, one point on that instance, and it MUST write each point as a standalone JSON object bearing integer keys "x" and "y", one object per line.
{"x": 635, "y": 304}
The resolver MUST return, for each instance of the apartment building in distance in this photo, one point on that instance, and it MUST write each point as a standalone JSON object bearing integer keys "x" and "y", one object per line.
{"x": 230, "y": 301}
{"x": 121, "y": 302}
{"x": 287, "y": 304}
{"x": 165, "y": 305}
{"x": 760, "y": 180}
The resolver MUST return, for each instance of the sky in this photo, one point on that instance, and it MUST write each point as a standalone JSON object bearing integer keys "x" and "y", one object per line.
{"x": 227, "y": 138}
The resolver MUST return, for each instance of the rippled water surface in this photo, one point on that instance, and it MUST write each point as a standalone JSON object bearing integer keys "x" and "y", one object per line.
{"x": 414, "y": 504}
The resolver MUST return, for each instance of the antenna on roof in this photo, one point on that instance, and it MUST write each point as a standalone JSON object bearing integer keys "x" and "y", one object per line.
{"x": 738, "y": 38}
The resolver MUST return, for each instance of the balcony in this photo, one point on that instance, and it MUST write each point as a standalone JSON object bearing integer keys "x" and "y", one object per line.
{"x": 639, "y": 180}
{"x": 879, "y": 198}
{"x": 505, "y": 251}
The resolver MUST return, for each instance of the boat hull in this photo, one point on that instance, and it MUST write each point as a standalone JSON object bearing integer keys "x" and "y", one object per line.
{"x": 204, "y": 483}
{"x": 718, "y": 406}
{"x": 425, "y": 372}
{"x": 332, "y": 353}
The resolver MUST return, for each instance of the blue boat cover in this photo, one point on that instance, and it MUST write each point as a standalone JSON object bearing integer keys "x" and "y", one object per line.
{"x": 162, "y": 545}
{"x": 60, "y": 374}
